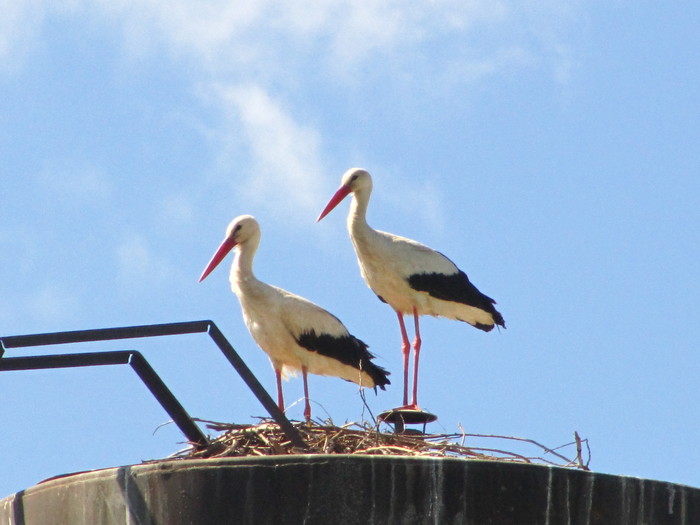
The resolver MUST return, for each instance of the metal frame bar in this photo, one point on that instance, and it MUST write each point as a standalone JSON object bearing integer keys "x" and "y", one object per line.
{"x": 156, "y": 330}
{"x": 120, "y": 357}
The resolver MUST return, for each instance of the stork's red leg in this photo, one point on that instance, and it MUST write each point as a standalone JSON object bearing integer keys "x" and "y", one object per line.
{"x": 307, "y": 406}
{"x": 405, "y": 350}
{"x": 280, "y": 397}
{"x": 416, "y": 352}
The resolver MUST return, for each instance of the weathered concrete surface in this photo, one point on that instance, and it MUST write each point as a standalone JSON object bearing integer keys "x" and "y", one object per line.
{"x": 339, "y": 490}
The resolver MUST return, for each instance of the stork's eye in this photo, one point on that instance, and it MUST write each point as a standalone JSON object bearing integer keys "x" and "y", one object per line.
{"x": 238, "y": 227}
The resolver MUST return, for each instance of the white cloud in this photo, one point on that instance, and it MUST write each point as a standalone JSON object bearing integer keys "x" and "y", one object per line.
{"x": 21, "y": 22}
{"x": 361, "y": 30}
{"x": 341, "y": 36}
{"x": 285, "y": 170}
{"x": 19, "y": 25}
{"x": 74, "y": 183}
{"x": 52, "y": 305}
{"x": 174, "y": 212}
{"x": 139, "y": 267}
{"x": 48, "y": 305}
{"x": 201, "y": 29}
{"x": 262, "y": 56}
{"x": 415, "y": 200}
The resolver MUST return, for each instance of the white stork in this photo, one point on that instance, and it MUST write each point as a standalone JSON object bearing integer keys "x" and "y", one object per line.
{"x": 295, "y": 333}
{"x": 410, "y": 277}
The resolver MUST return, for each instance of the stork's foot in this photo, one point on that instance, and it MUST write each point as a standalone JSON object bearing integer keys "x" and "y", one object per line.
{"x": 412, "y": 406}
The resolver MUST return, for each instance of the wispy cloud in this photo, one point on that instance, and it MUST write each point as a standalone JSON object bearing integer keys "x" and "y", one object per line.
{"x": 46, "y": 305}
{"x": 21, "y": 24}
{"x": 51, "y": 305}
{"x": 19, "y": 27}
{"x": 74, "y": 183}
{"x": 285, "y": 167}
{"x": 420, "y": 202}
{"x": 340, "y": 36}
{"x": 139, "y": 266}
{"x": 175, "y": 211}
{"x": 257, "y": 59}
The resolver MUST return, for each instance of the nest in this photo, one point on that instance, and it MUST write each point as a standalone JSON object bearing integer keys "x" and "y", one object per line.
{"x": 267, "y": 439}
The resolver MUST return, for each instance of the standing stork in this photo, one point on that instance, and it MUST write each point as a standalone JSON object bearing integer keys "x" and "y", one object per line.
{"x": 294, "y": 332}
{"x": 410, "y": 277}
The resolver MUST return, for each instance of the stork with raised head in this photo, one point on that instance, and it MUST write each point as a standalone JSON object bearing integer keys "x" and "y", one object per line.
{"x": 296, "y": 334}
{"x": 412, "y": 278}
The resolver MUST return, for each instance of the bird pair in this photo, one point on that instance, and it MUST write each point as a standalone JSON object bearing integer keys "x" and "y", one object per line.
{"x": 299, "y": 335}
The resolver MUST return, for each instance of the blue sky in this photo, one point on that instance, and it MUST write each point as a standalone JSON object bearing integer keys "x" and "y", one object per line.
{"x": 549, "y": 148}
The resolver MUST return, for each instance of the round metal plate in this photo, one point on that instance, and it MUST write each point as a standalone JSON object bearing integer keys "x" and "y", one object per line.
{"x": 407, "y": 416}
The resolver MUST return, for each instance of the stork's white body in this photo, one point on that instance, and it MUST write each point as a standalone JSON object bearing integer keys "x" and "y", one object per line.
{"x": 387, "y": 261}
{"x": 296, "y": 334}
{"x": 409, "y": 276}
{"x": 275, "y": 318}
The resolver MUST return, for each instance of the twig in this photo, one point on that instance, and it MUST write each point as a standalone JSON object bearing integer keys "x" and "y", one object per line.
{"x": 324, "y": 437}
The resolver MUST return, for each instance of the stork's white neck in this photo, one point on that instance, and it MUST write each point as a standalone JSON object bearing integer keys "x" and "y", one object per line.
{"x": 242, "y": 267}
{"x": 357, "y": 218}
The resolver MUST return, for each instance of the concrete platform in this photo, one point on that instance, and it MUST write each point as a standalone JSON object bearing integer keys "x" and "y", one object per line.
{"x": 337, "y": 490}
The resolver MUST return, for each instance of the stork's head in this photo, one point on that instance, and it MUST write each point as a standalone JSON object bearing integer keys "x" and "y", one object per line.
{"x": 354, "y": 180}
{"x": 240, "y": 231}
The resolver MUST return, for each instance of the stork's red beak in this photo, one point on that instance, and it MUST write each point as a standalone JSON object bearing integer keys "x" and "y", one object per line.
{"x": 221, "y": 252}
{"x": 342, "y": 192}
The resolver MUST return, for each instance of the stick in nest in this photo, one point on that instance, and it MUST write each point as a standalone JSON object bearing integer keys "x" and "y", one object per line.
{"x": 265, "y": 439}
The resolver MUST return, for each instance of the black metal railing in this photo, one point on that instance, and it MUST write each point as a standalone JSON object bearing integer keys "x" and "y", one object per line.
{"x": 141, "y": 366}
{"x": 120, "y": 357}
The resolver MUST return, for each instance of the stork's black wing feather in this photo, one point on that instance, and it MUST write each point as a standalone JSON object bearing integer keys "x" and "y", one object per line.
{"x": 457, "y": 288}
{"x": 348, "y": 350}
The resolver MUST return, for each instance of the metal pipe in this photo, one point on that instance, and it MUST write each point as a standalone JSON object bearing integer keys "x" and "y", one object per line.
{"x": 255, "y": 387}
{"x": 105, "y": 334}
{"x": 156, "y": 330}
{"x": 167, "y": 400}
{"x": 120, "y": 357}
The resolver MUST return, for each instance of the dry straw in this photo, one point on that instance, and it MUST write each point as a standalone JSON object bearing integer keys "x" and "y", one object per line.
{"x": 266, "y": 439}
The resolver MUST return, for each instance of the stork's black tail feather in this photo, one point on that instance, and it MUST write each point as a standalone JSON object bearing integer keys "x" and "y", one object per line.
{"x": 378, "y": 374}
{"x": 348, "y": 350}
